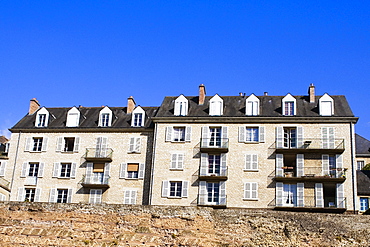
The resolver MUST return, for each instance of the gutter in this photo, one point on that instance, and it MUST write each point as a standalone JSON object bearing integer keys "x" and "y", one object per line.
{"x": 354, "y": 177}
{"x": 152, "y": 167}
{"x": 15, "y": 163}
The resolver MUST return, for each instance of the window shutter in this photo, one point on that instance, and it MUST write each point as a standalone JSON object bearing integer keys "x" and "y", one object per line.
{"x": 262, "y": 134}
{"x": 222, "y": 193}
{"x": 165, "y": 188}
{"x": 254, "y": 190}
{"x": 180, "y": 161}
{"x": 279, "y": 162}
{"x": 339, "y": 161}
{"x": 300, "y": 194}
{"x": 202, "y": 197}
{"x": 203, "y": 164}
{"x": 254, "y": 161}
{"x": 89, "y": 170}
{"x": 123, "y": 169}
{"x": 177, "y": 108}
{"x": 56, "y": 169}
{"x": 223, "y": 166}
{"x": 53, "y": 197}
{"x": 92, "y": 196}
{"x": 27, "y": 146}
{"x": 137, "y": 144}
{"x": 188, "y": 133}
{"x": 133, "y": 196}
{"x": 98, "y": 146}
{"x": 279, "y": 194}
{"x": 106, "y": 171}
{"x": 37, "y": 194}
{"x": 249, "y": 108}
{"x": 21, "y": 194}
{"x": 300, "y": 165}
{"x": 255, "y": 106}
{"x": 299, "y": 137}
{"x": 131, "y": 145}
{"x": 141, "y": 170}
{"x": 69, "y": 196}
{"x": 169, "y": 131}
{"x": 205, "y": 137}
{"x": 247, "y": 190}
{"x": 185, "y": 185}
{"x": 324, "y": 137}
{"x": 331, "y": 137}
{"x": 242, "y": 134}
{"x": 40, "y": 173}
{"x": 44, "y": 144}
{"x": 340, "y": 196}
{"x": 24, "y": 170}
{"x": 76, "y": 145}
{"x": 319, "y": 194}
{"x": 2, "y": 197}
{"x": 248, "y": 162}
{"x": 325, "y": 164}
{"x": 104, "y": 146}
{"x": 73, "y": 170}
{"x": 279, "y": 137}
{"x": 173, "y": 161}
{"x": 2, "y": 168}
{"x": 127, "y": 197}
{"x": 59, "y": 144}
{"x": 224, "y": 134}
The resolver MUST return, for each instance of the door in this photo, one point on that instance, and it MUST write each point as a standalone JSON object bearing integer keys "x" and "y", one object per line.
{"x": 215, "y": 137}
{"x": 289, "y": 195}
{"x": 290, "y": 137}
{"x": 213, "y": 191}
{"x": 214, "y": 164}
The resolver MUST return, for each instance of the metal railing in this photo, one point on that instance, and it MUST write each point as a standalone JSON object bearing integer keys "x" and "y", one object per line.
{"x": 221, "y": 143}
{"x": 309, "y": 202}
{"x": 4, "y": 183}
{"x": 205, "y": 200}
{"x": 99, "y": 153}
{"x": 205, "y": 172}
{"x": 309, "y": 143}
{"x": 96, "y": 179}
{"x": 311, "y": 172}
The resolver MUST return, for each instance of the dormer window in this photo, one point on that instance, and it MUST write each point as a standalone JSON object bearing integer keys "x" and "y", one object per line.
{"x": 42, "y": 118}
{"x": 181, "y": 106}
{"x": 326, "y": 105}
{"x": 73, "y": 117}
{"x": 105, "y": 117}
{"x": 252, "y": 106}
{"x": 138, "y": 117}
{"x": 216, "y": 105}
{"x": 289, "y": 105}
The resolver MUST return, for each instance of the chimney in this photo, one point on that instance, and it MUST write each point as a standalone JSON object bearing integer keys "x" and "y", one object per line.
{"x": 130, "y": 104}
{"x": 240, "y": 94}
{"x": 265, "y": 93}
{"x": 34, "y": 106}
{"x": 311, "y": 93}
{"x": 202, "y": 94}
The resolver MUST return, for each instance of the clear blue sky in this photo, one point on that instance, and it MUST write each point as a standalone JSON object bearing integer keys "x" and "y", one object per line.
{"x": 94, "y": 53}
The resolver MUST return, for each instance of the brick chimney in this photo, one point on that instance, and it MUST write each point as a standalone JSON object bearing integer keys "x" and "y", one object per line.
{"x": 311, "y": 93}
{"x": 130, "y": 104}
{"x": 202, "y": 94}
{"x": 34, "y": 106}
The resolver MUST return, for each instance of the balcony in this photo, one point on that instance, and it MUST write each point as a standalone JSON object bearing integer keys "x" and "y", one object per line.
{"x": 98, "y": 155}
{"x": 214, "y": 145}
{"x": 312, "y": 145}
{"x": 5, "y": 184}
{"x": 97, "y": 180}
{"x": 217, "y": 175}
{"x": 310, "y": 204}
{"x": 313, "y": 174}
{"x": 215, "y": 201}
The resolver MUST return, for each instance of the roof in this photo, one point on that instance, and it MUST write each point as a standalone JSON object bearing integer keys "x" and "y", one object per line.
{"x": 3, "y": 139}
{"x": 89, "y": 117}
{"x": 234, "y": 106}
{"x": 362, "y": 145}
{"x": 363, "y": 182}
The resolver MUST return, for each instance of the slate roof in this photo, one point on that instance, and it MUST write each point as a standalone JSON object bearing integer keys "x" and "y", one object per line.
{"x": 3, "y": 139}
{"x": 89, "y": 118}
{"x": 270, "y": 106}
{"x": 362, "y": 145}
{"x": 363, "y": 182}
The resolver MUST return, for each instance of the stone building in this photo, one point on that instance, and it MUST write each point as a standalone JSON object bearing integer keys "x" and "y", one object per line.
{"x": 4, "y": 183}
{"x": 283, "y": 152}
{"x": 363, "y": 176}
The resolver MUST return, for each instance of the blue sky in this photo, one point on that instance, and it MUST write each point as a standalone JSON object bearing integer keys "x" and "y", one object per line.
{"x": 94, "y": 53}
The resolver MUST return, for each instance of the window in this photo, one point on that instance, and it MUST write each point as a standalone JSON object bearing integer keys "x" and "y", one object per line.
{"x": 177, "y": 161}
{"x": 130, "y": 197}
{"x": 326, "y": 105}
{"x": 250, "y": 191}
{"x": 33, "y": 169}
{"x": 252, "y": 134}
{"x": 67, "y": 144}
{"x": 2, "y": 168}
{"x": 364, "y": 204}
{"x": 178, "y": 134}
{"x": 138, "y": 117}
{"x": 175, "y": 189}
{"x": 62, "y": 195}
{"x": 36, "y": 144}
{"x": 95, "y": 196}
{"x": 30, "y": 195}
{"x": 64, "y": 170}
{"x": 105, "y": 117}
{"x": 216, "y": 106}
{"x": 212, "y": 193}
{"x": 135, "y": 145}
{"x": 360, "y": 164}
{"x": 252, "y": 106}
{"x": 97, "y": 173}
{"x": 42, "y": 118}
{"x": 105, "y": 120}
{"x": 332, "y": 165}
{"x": 181, "y": 106}
{"x": 251, "y": 162}
{"x": 290, "y": 137}
{"x": 289, "y": 105}
{"x": 2, "y": 197}
{"x": 73, "y": 117}
{"x": 213, "y": 164}
{"x": 328, "y": 137}
{"x": 132, "y": 170}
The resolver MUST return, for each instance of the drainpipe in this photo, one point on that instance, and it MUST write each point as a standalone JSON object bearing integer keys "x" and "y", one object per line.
{"x": 152, "y": 166}
{"x": 354, "y": 179}
{"x": 15, "y": 163}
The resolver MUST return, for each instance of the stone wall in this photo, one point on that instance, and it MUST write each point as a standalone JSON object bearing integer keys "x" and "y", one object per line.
{"x": 47, "y": 224}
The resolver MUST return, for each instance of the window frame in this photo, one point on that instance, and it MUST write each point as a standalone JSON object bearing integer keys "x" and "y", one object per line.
{"x": 73, "y": 117}
{"x": 252, "y": 192}
{"x": 105, "y": 117}
{"x": 138, "y": 111}
{"x": 42, "y": 118}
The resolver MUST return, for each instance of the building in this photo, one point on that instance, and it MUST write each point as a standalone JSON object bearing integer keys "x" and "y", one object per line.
{"x": 283, "y": 152}
{"x": 363, "y": 176}
{"x": 4, "y": 183}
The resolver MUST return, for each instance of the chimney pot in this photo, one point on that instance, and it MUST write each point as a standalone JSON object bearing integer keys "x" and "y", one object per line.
{"x": 265, "y": 93}
{"x": 202, "y": 94}
{"x": 130, "y": 104}
{"x": 311, "y": 93}
{"x": 240, "y": 94}
{"x": 34, "y": 106}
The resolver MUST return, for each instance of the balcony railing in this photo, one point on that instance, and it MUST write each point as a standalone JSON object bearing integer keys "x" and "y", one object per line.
{"x": 95, "y": 181}
{"x": 215, "y": 201}
{"x": 310, "y": 202}
{"x": 213, "y": 144}
{"x": 217, "y": 174}
{"x": 309, "y": 145}
{"x": 103, "y": 154}
{"x": 5, "y": 184}
{"x": 310, "y": 173}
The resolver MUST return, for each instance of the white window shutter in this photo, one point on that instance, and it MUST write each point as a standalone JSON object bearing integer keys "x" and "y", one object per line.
{"x": 59, "y": 144}
{"x": 180, "y": 161}
{"x": 331, "y": 137}
{"x": 137, "y": 144}
{"x": 224, "y": 133}
{"x": 300, "y": 138}
{"x": 104, "y": 146}
{"x": 223, "y": 165}
{"x": 141, "y": 170}
{"x": 131, "y": 145}
{"x": 185, "y": 185}
{"x": 188, "y": 133}
{"x": 340, "y": 196}
{"x": 165, "y": 188}
{"x": 261, "y": 134}
{"x": 279, "y": 194}
{"x": 177, "y": 108}
{"x": 339, "y": 161}
{"x": 279, "y": 163}
{"x": 133, "y": 197}
{"x": 76, "y": 145}
{"x": 56, "y": 169}
{"x": 106, "y": 170}
{"x": 325, "y": 137}
{"x": 254, "y": 161}
{"x": 247, "y": 190}
{"x": 40, "y": 173}
{"x": 123, "y": 169}
{"x": 203, "y": 164}
{"x": 24, "y": 169}
{"x": 279, "y": 137}
{"x": 169, "y": 131}
{"x": 242, "y": 134}
{"x": 222, "y": 193}
{"x": 2, "y": 168}
{"x": 202, "y": 197}
{"x": 173, "y": 161}
{"x": 27, "y": 146}
{"x": 37, "y": 194}
{"x": 21, "y": 194}
{"x": 325, "y": 164}
{"x": 254, "y": 190}
{"x": 73, "y": 170}
{"x": 319, "y": 194}
{"x": 89, "y": 171}
{"x": 53, "y": 193}
{"x": 44, "y": 144}
{"x": 205, "y": 131}
{"x": 248, "y": 162}
{"x": 127, "y": 197}
{"x": 300, "y": 165}
{"x": 98, "y": 145}
{"x": 69, "y": 196}
{"x": 300, "y": 194}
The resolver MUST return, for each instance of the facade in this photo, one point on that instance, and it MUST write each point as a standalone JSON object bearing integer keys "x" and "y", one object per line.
{"x": 4, "y": 183}
{"x": 283, "y": 152}
{"x": 363, "y": 176}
